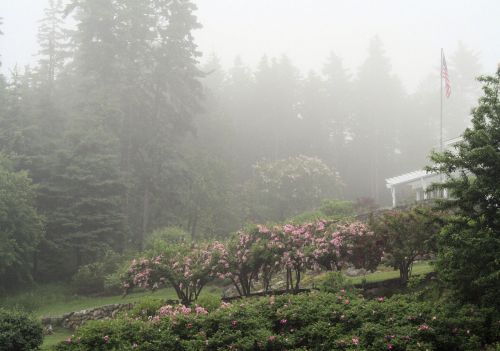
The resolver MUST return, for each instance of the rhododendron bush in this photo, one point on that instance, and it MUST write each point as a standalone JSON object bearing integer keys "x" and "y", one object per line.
{"x": 313, "y": 321}
{"x": 186, "y": 268}
{"x": 256, "y": 254}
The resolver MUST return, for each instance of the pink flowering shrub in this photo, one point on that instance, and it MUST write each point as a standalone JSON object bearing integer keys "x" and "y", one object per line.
{"x": 256, "y": 254}
{"x": 186, "y": 268}
{"x": 251, "y": 255}
{"x": 360, "y": 246}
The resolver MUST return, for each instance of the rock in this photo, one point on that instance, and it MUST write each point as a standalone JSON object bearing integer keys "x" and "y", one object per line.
{"x": 73, "y": 320}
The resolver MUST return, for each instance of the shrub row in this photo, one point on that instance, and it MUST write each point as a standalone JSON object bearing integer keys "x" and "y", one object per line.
{"x": 315, "y": 321}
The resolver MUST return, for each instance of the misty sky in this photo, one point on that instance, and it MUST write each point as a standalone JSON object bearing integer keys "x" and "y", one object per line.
{"x": 307, "y": 30}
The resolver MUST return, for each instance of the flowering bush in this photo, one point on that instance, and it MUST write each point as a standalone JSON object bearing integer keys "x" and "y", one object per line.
{"x": 258, "y": 253}
{"x": 187, "y": 268}
{"x": 315, "y": 321}
{"x": 240, "y": 261}
{"x": 360, "y": 246}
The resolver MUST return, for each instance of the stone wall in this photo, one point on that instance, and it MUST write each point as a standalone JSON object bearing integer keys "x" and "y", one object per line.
{"x": 73, "y": 320}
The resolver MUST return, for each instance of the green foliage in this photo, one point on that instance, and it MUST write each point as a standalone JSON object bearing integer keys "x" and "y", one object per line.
{"x": 209, "y": 301}
{"x": 319, "y": 321}
{"x": 334, "y": 282}
{"x": 289, "y": 186}
{"x": 337, "y": 209}
{"x": 83, "y": 204}
{"x": 469, "y": 245}
{"x": 101, "y": 276}
{"x": 160, "y": 239}
{"x": 20, "y": 227}
{"x": 19, "y": 332}
{"x": 145, "y": 308}
{"x": 407, "y": 234}
{"x": 332, "y": 209}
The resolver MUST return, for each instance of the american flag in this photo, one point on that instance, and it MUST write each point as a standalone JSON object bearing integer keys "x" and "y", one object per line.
{"x": 444, "y": 75}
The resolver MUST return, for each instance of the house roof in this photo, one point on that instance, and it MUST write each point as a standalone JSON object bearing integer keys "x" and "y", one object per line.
{"x": 408, "y": 177}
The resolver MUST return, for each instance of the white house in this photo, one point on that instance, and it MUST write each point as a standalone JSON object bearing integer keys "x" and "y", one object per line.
{"x": 411, "y": 185}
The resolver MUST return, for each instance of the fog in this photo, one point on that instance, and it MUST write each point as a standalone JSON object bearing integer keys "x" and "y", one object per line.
{"x": 307, "y": 32}
{"x": 129, "y": 116}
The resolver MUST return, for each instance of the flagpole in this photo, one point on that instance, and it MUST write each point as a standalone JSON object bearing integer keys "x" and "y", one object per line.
{"x": 441, "y": 107}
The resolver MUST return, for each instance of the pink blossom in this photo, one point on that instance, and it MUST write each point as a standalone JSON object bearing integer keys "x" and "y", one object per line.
{"x": 380, "y": 299}
{"x": 355, "y": 340}
{"x": 200, "y": 310}
{"x": 234, "y": 323}
{"x": 225, "y": 305}
{"x": 423, "y": 327}
{"x": 283, "y": 321}
{"x": 106, "y": 338}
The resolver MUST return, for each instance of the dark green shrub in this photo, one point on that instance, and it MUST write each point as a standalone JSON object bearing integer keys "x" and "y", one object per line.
{"x": 146, "y": 308}
{"x": 334, "y": 282}
{"x": 315, "y": 321}
{"x": 102, "y": 276}
{"x": 19, "y": 332}
{"x": 160, "y": 239}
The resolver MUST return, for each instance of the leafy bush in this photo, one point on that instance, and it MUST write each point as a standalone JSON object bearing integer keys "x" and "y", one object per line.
{"x": 102, "y": 276}
{"x": 315, "y": 321}
{"x": 160, "y": 239}
{"x": 337, "y": 209}
{"x": 19, "y": 332}
{"x": 146, "y": 308}
{"x": 334, "y": 282}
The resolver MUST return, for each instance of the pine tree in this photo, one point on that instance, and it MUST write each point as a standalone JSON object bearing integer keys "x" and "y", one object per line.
{"x": 82, "y": 203}
{"x": 51, "y": 39}
{"x": 379, "y": 117}
{"x": 469, "y": 246}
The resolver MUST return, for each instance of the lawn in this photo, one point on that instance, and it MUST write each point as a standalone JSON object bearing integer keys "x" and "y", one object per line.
{"x": 54, "y": 339}
{"x": 78, "y": 303}
{"x": 57, "y": 299}
{"x": 385, "y": 273}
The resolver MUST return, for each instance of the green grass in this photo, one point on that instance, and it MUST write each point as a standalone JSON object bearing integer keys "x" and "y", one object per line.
{"x": 57, "y": 299}
{"x": 386, "y": 273}
{"x": 382, "y": 273}
{"x": 51, "y": 340}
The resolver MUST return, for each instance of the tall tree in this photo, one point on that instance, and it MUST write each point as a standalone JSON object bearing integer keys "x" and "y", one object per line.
{"x": 82, "y": 203}
{"x": 379, "y": 116}
{"x": 339, "y": 98}
{"x": 52, "y": 42}
{"x": 464, "y": 68}
{"x": 138, "y": 66}
{"x": 20, "y": 226}
{"x": 469, "y": 246}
